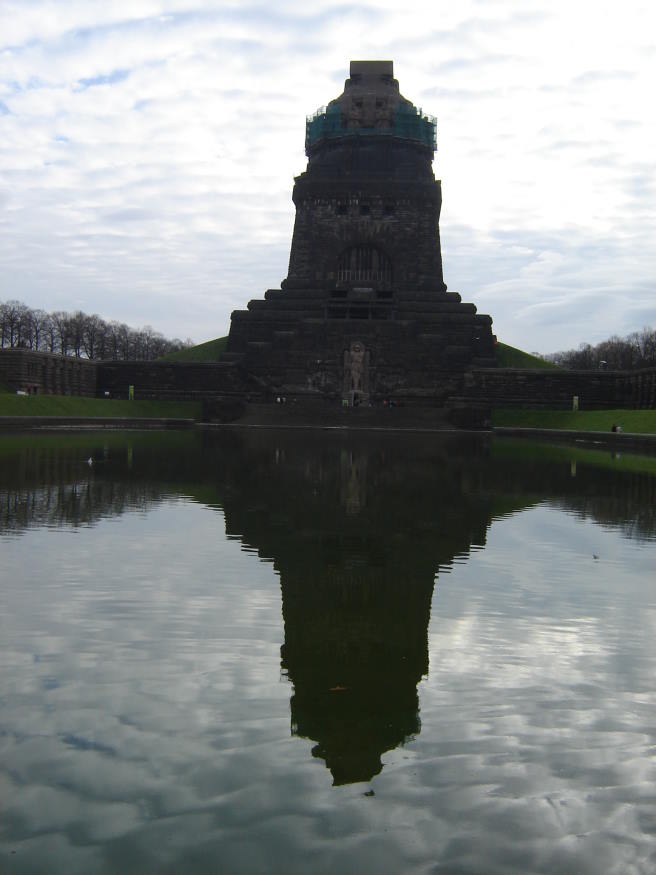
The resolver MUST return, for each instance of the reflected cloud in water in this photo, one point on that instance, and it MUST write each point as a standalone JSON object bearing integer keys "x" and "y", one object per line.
{"x": 467, "y": 629}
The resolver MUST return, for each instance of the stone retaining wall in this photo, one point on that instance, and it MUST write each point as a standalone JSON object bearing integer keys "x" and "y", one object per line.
{"x": 169, "y": 381}
{"x": 555, "y": 389}
{"x": 41, "y": 373}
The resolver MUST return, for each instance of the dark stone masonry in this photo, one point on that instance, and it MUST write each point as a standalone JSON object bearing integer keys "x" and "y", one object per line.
{"x": 42, "y": 373}
{"x": 364, "y": 313}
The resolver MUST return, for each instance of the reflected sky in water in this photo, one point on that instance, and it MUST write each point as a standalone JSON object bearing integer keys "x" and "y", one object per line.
{"x": 291, "y": 653}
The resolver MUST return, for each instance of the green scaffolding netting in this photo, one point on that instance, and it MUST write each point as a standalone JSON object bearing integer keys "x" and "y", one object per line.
{"x": 409, "y": 123}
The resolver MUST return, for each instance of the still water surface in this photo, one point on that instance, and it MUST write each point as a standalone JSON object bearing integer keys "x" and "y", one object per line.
{"x": 267, "y": 652}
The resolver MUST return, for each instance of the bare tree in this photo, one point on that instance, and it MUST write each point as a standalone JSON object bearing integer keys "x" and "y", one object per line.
{"x": 50, "y": 335}
{"x": 636, "y": 350}
{"x": 159, "y": 345}
{"x": 25, "y": 336}
{"x": 102, "y": 340}
{"x": 124, "y": 342}
{"x": 4, "y": 330}
{"x": 645, "y": 342}
{"x": 40, "y": 321}
{"x": 113, "y": 340}
{"x": 80, "y": 335}
{"x": 93, "y": 329}
{"x": 60, "y": 320}
{"x": 12, "y": 313}
{"x": 76, "y": 331}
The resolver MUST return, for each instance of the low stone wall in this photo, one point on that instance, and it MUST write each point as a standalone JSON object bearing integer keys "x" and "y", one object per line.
{"x": 41, "y": 373}
{"x": 555, "y": 389}
{"x": 168, "y": 380}
{"x": 640, "y": 388}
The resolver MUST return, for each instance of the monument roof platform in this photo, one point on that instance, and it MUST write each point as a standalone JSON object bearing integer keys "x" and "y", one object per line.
{"x": 370, "y": 106}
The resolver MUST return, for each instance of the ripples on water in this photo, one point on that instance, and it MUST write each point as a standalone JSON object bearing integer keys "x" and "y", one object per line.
{"x": 278, "y": 653}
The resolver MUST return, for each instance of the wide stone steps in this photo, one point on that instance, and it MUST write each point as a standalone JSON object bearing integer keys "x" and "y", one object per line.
{"x": 334, "y": 416}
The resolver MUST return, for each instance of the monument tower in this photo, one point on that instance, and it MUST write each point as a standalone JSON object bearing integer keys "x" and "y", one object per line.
{"x": 364, "y": 313}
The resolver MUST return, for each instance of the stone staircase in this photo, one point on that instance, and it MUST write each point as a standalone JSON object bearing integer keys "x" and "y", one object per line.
{"x": 326, "y": 415}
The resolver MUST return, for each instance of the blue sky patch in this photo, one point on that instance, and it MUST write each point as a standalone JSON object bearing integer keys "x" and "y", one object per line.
{"x": 109, "y": 79}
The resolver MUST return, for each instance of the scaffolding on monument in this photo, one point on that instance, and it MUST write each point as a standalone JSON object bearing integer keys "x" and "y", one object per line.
{"x": 409, "y": 123}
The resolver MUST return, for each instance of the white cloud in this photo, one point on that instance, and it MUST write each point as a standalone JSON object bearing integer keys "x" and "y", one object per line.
{"x": 148, "y": 709}
{"x": 149, "y": 150}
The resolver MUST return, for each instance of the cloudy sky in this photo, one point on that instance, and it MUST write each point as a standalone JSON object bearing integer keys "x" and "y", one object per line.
{"x": 148, "y": 149}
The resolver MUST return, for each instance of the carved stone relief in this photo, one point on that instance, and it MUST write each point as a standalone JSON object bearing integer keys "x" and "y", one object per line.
{"x": 356, "y": 369}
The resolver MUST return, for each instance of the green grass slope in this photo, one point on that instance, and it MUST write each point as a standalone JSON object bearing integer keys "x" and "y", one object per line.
{"x": 212, "y": 350}
{"x": 204, "y": 352}
{"x": 60, "y": 405}
{"x": 510, "y": 357}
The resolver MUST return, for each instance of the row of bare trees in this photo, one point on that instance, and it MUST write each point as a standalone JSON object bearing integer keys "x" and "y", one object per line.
{"x": 80, "y": 335}
{"x": 636, "y": 350}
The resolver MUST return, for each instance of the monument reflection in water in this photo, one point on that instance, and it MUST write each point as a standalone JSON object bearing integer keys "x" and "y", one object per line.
{"x": 358, "y": 527}
{"x": 362, "y": 543}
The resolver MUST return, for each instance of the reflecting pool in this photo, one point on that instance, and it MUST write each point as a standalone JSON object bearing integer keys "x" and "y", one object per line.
{"x": 268, "y": 651}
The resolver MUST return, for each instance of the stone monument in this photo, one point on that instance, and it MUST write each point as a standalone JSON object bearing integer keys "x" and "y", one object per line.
{"x": 364, "y": 314}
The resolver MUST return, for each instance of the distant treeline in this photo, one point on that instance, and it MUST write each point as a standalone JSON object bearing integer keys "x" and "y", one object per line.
{"x": 636, "y": 350}
{"x": 80, "y": 335}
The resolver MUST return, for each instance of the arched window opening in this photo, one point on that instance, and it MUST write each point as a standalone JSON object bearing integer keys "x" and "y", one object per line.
{"x": 364, "y": 265}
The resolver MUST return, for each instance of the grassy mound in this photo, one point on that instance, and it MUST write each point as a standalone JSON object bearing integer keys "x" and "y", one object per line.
{"x": 510, "y": 357}
{"x": 204, "y": 352}
{"x": 635, "y": 421}
{"x": 60, "y": 405}
{"x": 212, "y": 350}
